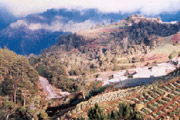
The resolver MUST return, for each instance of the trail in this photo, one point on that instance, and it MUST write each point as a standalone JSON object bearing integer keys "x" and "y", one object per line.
{"x": 49, "y": 90}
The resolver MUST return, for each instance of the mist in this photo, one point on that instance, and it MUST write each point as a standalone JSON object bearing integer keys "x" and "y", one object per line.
{"x": 146, "y": 7}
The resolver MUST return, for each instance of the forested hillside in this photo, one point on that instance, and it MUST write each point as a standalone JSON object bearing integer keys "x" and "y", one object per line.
{"x": 125, "y": 44}
{"x": 20, "y": 94}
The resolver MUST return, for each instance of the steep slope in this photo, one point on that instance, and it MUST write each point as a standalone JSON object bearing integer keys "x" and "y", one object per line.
{"x": 135, "y": 41}
{"x": 158, "y": 100}
{"x": 42, "y": 30}
{"x": 38, "y": 31}
{"x": 21, "y": 95}
{"x": 25, "y": 41}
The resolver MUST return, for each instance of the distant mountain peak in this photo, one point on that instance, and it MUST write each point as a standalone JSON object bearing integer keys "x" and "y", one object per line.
{"x": 35, "y": 29}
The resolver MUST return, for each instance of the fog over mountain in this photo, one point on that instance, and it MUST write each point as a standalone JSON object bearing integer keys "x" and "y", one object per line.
{"x": 31, "y": 31}
{"x": 5, "y": 17}
{"x": 43, "y": 30}
{"x": 148, "y": 7}
{"x": 89, "y": 59}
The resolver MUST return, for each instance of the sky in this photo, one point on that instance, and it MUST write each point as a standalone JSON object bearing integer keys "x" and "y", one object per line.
{"x": 148, "y": 7}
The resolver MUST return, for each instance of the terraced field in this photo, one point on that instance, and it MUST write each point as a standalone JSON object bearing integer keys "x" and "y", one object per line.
{"x": 159, "y": 100}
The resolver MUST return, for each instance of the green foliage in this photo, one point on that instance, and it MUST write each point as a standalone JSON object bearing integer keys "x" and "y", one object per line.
{"x": 7, "y": 108}
{"x": 172, "y": 55}
{"x": 125, "y": 112}
{"x": 96, "y": 113}
{"x": 96, "y": 91}
{"x": 43, "y": 115}
{"x": 56, "y": 73}
{"x": 113, "y": 115}
{"x": 19, "y": 78}
{"x": 19, "y": 87}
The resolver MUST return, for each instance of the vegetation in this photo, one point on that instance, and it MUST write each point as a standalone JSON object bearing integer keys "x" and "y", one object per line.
{"x": 172, "y": 55}
{"x": 56, "y": 72}
{"x": 156, "y": 100}
{"x": 125, "y": 112}
{"x": 19, "y": 87}
{"x": 74, "y": 59}
{"x": 96, "y": 113}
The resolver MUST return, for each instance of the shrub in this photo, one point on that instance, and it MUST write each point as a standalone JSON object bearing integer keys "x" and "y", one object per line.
{"x": 172, "y": 55}
{"x": 125, "y": 112}
{"x": 96, "y": 113}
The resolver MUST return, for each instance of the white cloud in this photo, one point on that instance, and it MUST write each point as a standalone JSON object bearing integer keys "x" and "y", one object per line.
{"x": 18, "y": 24}
{"x": 56, "y": 25}
{"x": 74, "y": 27}
{"x": 24, "y": 7}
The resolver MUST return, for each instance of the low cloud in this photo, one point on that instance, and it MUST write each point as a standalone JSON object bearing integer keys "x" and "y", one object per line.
{"x": 148, "y": 7}
{"x": 56, "y": 25}
{"x": 74, "y": 27}
{"x": 19, "y": 23}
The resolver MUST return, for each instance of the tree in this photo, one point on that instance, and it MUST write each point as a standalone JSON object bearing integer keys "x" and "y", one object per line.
{"x": 9, "y": 87}
{"x": 96, "y": 113}
{"x": 113, "y": 115}
{"x": 124, "y": 110}
{"x": 172, "y": 55}
{"x": 43, "y": 115}
{"x": 7, "y": 109}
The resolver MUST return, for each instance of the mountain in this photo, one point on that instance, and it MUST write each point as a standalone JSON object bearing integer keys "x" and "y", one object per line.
{"x": 90, "y": 58}
{"x": 25, "y": 41}
{"x": 109, "y": 47}
{"x": 38, "y": 31}
{"x": 98, "y": 53}
{"x": 110, "y": 64}
{"x": 5, "y": 17}
{"x": 35, "y": 32}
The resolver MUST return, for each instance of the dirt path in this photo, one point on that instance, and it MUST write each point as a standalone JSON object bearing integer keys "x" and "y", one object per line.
{"x": 47, "y": 88}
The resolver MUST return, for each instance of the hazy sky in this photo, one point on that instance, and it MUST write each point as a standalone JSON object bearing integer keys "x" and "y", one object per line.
{"x": 25, "y": 7}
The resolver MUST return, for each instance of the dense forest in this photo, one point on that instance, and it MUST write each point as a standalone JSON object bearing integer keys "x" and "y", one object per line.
{"x": 20, "y": 95}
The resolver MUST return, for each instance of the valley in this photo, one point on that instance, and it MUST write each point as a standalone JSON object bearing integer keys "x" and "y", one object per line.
{"x": 132, "y": 65}
{"x": 112, "y": 64}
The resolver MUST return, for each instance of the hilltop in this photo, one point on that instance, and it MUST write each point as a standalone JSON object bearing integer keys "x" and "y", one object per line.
{"x": 134, "y": 41}
{"x": 36, "y": 32}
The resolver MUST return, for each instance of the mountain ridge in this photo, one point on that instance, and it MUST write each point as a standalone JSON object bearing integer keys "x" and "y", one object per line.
{"x": 56, "y": 21}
